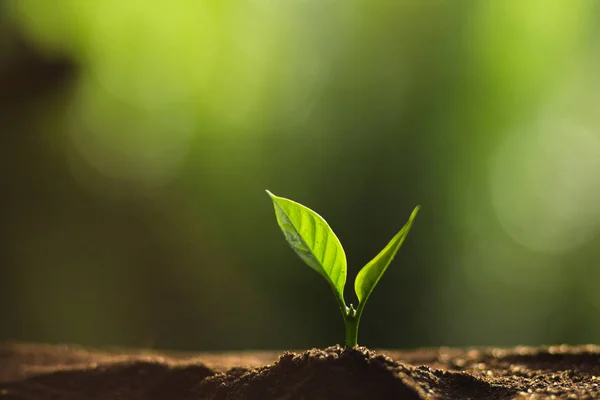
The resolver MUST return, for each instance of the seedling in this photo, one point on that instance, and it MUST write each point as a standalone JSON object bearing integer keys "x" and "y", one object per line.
{"x": 314, "y": 241}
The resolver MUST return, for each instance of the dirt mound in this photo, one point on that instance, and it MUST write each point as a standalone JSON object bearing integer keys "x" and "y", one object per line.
{"x": 335, "y": 373}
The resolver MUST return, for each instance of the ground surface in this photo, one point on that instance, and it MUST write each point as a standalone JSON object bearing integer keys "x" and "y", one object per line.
{"x": 36, "y": 372}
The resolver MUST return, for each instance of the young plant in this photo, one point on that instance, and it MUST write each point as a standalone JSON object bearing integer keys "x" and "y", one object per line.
{"x": 314, "y": 241}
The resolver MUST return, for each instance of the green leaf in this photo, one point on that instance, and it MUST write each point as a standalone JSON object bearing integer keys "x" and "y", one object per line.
{"x": 313, "y": 240}
{"x": 370, "y": 274}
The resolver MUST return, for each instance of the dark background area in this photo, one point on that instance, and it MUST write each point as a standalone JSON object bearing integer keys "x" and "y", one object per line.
{"x": 136, "y": 142}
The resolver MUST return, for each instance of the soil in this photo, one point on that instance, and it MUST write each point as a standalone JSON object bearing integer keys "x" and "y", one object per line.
{"x": 36, "y": 372}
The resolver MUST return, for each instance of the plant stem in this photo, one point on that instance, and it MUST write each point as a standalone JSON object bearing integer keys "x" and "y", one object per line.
{"x": 351, "y": 323}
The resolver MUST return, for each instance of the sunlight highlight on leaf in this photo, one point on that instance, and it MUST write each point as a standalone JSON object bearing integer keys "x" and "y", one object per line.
{"x": 370, "y": 274}
{"x": 313, "y": 240}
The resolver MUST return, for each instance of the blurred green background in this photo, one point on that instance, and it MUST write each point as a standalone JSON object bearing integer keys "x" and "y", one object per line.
{"x": 136, "y": 141}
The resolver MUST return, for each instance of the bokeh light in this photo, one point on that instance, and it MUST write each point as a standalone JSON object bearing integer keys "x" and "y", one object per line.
{"x": 545, "y": 187}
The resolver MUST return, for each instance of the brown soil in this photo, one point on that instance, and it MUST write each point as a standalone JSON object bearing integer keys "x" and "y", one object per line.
{"x": 29, "y": 372}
